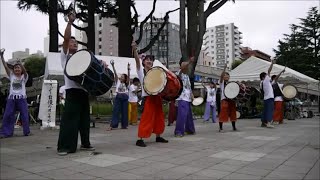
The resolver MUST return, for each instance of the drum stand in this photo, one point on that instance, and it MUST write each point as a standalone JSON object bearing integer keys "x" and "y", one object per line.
{"x": 31, "y": 117}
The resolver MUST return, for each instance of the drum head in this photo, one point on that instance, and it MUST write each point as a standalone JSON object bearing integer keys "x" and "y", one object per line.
{"x": 155, "y": 81}
{"x": 231, "y": 90}
{"x": 197, "y": 101}
{"x": 78, "y": 63}
{"x": 289, "y": 91}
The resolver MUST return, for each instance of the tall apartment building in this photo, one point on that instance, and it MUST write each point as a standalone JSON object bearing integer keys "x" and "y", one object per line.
{"x": 167, "y": 47}
{"x": 106, "y": 36}
{"x": 222, "y": 43}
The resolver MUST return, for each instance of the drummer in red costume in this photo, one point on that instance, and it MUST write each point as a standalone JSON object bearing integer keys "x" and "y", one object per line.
{"x": 278, "y": 99}
{"x": 228, "y": 106}
{"x": 152, "y": 117}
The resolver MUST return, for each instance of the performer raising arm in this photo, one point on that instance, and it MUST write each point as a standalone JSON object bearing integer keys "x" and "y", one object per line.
{"x": 278, "y": 100}
{"x": 76, "y": 115}
{"x": 228, "y": 106}
{"x": 17, "y": 100}
{"x": 152, "y": 117}
{"x": 268, "y": 98}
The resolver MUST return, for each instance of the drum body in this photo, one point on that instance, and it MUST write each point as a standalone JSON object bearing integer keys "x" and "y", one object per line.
{"x": 158, "y": 81}
{"x": 237, "y": 91}
{"x": 289, "y": 92}
{"x": 84, "y": 68}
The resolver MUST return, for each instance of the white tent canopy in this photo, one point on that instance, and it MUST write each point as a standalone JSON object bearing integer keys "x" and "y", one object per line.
{"x": 54, "y": 68}
{"x": 250, "y": 70}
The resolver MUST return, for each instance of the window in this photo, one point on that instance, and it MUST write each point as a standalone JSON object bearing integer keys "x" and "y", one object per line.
{"x": 100, "y": 39}
{"x": 100, "y": 53}
{"x": 100, "y": 46}
{"x": 212, "y": 47}
{"x": 209, "y": 63}
{"x": 111, "y": 38}
{"x": 100, "y": 25}
{"x": 111, "y": 53}
{"x": 227, "y": 45}
{"x": 211, "y": 30}
{"x": 211, "y": 41}
{"x": 212, "y": 36}
{"x": 100, "y": 32}
{"x": 227, "y": 33}
{"x": 227, "y": 39}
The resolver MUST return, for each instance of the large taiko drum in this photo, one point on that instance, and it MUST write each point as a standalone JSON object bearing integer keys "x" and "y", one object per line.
{"x": 159, "y": 81}
{"x": 289, "y": 92}
{"x": 236, "y": 91}
{"x": 84, "y": 68}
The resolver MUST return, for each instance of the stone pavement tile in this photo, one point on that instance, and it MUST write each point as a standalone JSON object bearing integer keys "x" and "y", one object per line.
{"x": 123, "y": 167}
{"x": 161, "y": 158}
{"x": 65, "y": 164}
{"x": 241, "y": 176}
{"x": 78, "y": 176}
{"x": 196, "y": 177}
{"x": 263, "y": 138}
{"x": 22, "y": 164}
{"x": 226, "y": 154}
{"x": 140, "y": 162}
{"x": 283, "y": 175}
{"x": 205, "y": 163}
{"x": 299, "y": 170}
{"x": 268, "y": 164}
{"x": 314, "y": 173}
{"x": 226, "y": 167}
{"x": 57, "y": 173}
{"x": 50, "y": 160}
{"x": 11, "y": 173}
{"x": 169, "y": 174}
{"x": 41, "y": 168}
{"x": 151, "y": 168}
{"x": 123, "y": 175}
{"x": 100, "y": 172}
{"x": 236, "y": 162}
{"x": 253, "y": 171}
{"x": 81, "y": 167}
{"x": 185, "y": 169}
{"x": 32, "y": 176}
{"x": 298, "y": 164}
{"x": 214, "y": 174}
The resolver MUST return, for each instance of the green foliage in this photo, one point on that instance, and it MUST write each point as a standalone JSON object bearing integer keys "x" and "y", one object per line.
{"x": 300, "y": 49}
{"x": 236, "y": 63}
{"x": 101, "y": 109}
{"x": 35, "y": 65}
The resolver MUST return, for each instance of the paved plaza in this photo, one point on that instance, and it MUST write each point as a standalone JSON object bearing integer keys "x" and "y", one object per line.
{"x": 289, "y": 151}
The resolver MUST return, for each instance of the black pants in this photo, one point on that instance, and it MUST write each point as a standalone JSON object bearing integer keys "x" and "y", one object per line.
{"x": 75, "y": 118}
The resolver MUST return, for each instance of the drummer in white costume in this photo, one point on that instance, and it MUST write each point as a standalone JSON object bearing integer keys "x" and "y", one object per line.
{"x": 76, "y": 116}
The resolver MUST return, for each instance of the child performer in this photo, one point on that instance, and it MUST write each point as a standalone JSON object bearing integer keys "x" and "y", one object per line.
{"x": 133, "y": 101}
{"x": 17, "y": 100}
{"x": 278, "y": 100}
{"x": 121, "y": 101}
{"x": 211, "y": 102}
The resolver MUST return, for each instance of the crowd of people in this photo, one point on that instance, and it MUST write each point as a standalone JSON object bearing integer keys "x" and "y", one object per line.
{"x": 76, "y": 116}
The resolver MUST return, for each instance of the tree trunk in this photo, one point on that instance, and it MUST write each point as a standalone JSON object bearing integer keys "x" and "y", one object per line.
{"x": 53, "y": 26}
{"x": 91, "y": 25}
{"x": 125, "y": 21}
{"x": 182, "y": 33}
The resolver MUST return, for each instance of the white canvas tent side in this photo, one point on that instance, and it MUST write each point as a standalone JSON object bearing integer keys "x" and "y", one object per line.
{"x": 250, "y": 70}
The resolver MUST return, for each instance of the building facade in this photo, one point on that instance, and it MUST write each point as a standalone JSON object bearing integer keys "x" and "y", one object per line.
{"x": 167, "y": 48}
{"x": 222, "y": 43}
{"x": 248, "y": 52}
{"x": 106, "y": 36}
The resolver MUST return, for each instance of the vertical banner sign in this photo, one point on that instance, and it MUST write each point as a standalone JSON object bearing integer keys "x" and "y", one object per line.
{"x": 47, "y": 111}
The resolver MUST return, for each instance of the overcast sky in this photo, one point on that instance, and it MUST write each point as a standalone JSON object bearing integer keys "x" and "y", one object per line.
{"x": 262, "y": 23}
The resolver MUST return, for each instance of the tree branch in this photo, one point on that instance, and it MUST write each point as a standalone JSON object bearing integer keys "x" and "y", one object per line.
{"x": 214, "y": 7}
{"x": 135, "y": 17}
{"x": 79, "y": 42}
{"x": 155, "y": 38}
{"x": 79, "y": 28}
{"x": 145, "y": 20}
